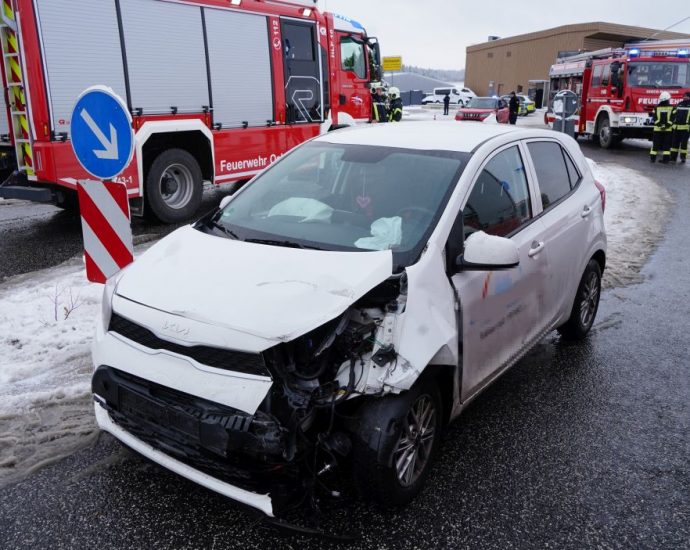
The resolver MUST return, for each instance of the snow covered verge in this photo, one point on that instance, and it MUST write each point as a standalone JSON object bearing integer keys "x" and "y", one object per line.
{"x": 636, "y": 207}
{"x": 47, "y": 321}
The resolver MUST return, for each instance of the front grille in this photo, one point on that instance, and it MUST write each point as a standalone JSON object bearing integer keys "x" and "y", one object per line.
{"x": 238, "y": 361}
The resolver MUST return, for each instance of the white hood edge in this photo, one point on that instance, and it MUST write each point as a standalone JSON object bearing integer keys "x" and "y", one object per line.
{"x": 272, "y": 293}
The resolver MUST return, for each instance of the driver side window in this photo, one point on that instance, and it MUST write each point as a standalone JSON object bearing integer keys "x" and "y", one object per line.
{"x": 499, "y": 202}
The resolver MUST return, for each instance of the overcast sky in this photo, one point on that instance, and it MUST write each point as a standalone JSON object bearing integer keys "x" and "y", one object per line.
{"x": 435, "y": 33}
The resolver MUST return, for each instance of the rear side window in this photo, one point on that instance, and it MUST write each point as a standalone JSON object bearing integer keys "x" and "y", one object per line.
{"x": 573, "y": 173}
{"x": 552, "y": 172}
{"x": 499, "y": 202}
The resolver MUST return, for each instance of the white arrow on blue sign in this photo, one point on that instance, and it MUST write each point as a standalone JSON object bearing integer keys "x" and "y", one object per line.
{"x": 101, "y": 132}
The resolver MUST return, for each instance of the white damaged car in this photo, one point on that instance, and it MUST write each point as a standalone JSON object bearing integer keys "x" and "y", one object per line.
{"x": 337, "y": 312}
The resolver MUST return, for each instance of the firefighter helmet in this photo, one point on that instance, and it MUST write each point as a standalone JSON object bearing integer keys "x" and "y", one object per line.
{"x": 664, "y": 96}
{"x": 394, "y": 92}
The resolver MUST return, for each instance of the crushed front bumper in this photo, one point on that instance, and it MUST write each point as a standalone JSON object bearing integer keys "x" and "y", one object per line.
{"x": 229, "y": 451}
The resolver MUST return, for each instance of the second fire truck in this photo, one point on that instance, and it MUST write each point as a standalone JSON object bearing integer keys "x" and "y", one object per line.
{"x": 618, "y": 88}
{"x": 218, "y": 89}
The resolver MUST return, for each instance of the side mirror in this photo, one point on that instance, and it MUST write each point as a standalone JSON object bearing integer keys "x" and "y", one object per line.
{"x": 484, "y": 252}
{"x": 225, "y": 201}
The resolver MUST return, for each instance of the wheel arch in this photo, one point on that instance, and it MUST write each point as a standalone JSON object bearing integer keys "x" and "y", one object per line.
{"x": 191, "y": 135}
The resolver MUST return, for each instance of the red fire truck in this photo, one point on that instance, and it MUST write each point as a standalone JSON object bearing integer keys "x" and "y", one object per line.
{"x": 218, "y": 89}
{"x": 618, "y": 88}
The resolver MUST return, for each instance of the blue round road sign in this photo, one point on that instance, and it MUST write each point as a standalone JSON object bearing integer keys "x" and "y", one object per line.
{"x": 101, "y": 132}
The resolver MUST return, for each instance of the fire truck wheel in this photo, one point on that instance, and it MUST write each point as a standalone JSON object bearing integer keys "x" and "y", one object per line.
{"x": 607, "y": 138}
{"x": 174, "y": 186}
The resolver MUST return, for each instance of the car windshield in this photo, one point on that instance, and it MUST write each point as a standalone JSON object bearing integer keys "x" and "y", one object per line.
{"x": 483, "y": 103}
{"x": 344, "y": 197}
{"x": 659, "y": 75}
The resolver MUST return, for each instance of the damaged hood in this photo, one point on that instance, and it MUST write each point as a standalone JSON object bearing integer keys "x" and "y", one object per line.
{"x": 269, "y": 292}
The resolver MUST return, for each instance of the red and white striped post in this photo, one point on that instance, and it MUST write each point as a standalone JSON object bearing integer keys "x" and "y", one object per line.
{"x": 105, "y": 222}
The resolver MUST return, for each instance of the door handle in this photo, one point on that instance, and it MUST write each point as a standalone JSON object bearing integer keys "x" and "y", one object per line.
{"x": 536, "y": 248}
{"x": 586, "y": 211}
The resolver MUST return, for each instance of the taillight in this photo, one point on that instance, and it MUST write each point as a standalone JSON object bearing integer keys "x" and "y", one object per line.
{"x": 602, "y": 192}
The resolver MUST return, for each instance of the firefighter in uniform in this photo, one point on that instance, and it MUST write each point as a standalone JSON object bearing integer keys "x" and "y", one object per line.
{"x": 681, "y": 129}
{"x": 663, "y": 128}
{"x": 396, "y": 105}
{"x": 378, "y": 101}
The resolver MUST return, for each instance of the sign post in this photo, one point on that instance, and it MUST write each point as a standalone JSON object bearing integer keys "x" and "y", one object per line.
{"x": 391, "y": 65}
{"x": 103, "y": 142}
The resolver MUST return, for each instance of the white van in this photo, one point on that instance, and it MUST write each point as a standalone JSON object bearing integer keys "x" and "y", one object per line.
{"x": 458, "y": 96}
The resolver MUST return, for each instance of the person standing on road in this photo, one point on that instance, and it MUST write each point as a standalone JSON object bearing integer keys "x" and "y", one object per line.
{"x": 681, "y": 129}
{"x": 396, "y": 105}
{"x": 663, "y": 129}
{"x": 446, "y": 103}
{"x": 378, "y": 100}
{"x": 513, "y": 108}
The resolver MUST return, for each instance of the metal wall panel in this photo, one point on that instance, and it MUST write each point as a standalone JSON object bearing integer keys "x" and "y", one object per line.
{"x": 165, "y": 56}
{"x": 240, "y": 62}
{"x": 81, "y": 44}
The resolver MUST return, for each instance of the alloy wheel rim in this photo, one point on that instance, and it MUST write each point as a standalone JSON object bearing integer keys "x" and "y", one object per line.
{"x": 176, "y": 185}
{"x": 413, "y": 451}
{"x": 589, "y": 299}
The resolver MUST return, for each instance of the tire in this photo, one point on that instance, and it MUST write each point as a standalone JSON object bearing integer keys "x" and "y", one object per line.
{"x": 386, "y": 426}
{"x": 173, "y": 186}
{"x": 607, "y": 138}
{"x": 586, "y": 304}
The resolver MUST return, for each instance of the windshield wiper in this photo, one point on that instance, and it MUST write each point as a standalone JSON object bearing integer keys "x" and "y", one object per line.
{"x": 229, "y": 232}
{"x": 286, "y": 244}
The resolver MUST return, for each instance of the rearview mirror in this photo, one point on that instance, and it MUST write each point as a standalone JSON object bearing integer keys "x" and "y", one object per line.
{"x": 224, "y": 201}
{"x": 484, "y": 252}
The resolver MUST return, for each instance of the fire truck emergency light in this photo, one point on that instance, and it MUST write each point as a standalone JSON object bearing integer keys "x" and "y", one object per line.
{"x": 634, "y": 53}
{"x": 235, "y": 2}
{"x": 682, "y": 53}
{"x": 306, "y": 12}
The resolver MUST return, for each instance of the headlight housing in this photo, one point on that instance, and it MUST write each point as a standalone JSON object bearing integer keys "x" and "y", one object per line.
{"x": 107, "y": 300}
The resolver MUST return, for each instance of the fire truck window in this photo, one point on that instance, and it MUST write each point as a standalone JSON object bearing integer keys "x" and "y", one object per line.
{"x": 596, "y": 75}
{"x": 605, "y": 75}
{"x": 499, "y": 202}
{"x": 552, "y": 173}
{"x": 299, "y": 42}
{"x": 352, "y": 57}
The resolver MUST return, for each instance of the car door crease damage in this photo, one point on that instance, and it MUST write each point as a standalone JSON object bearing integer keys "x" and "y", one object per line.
{"x": 346, "y": 305}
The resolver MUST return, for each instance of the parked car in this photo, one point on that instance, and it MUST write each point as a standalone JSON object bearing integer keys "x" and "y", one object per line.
{"x": 530, "y": 104}
{"x": 525, "y": 104}
{"x": 334, "y": 312}
{"x": 458, "y": 96}
{"x": 481, "y": 108}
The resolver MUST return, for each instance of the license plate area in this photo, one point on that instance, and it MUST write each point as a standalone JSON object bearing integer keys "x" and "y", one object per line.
{"x": 152, "y": 412}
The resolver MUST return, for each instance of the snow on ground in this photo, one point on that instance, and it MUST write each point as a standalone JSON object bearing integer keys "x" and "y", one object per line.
{"x": 636, "y": 207}
{"x": 47, "y": 322}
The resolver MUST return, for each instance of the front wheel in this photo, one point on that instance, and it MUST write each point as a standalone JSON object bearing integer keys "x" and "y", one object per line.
{"x": 396, "y": 443}
{"x": 607, "y": 139}
{"x": 174, "y": 186}
{"x": 586, "y": 304}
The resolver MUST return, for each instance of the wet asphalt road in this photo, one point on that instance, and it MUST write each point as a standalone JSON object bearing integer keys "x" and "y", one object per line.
{"x": 38, "y": 236}
{"x": 578, "y": 446}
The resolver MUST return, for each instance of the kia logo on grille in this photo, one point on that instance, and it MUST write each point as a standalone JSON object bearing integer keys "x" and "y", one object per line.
{"x": 175, "y": 328}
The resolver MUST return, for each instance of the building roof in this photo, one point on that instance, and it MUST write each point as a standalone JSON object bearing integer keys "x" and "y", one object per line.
{"x": 429, "y": 135}
{"x": 412, "y": 81}
{"x": 598, "y": 30}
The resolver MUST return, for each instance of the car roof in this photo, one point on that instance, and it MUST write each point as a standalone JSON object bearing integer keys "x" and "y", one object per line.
{"x": 430, "y": 136}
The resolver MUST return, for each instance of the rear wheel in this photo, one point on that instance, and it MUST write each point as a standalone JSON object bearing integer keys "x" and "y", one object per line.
{"x": 586, "y": 304}
{"x": 396, "y": 443}
{"x": 174, "y": 186}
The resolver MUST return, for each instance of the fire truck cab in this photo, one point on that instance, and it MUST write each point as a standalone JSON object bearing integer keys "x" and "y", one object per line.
{"x": 217, "y": 89}
{"x": 618, "y": 88}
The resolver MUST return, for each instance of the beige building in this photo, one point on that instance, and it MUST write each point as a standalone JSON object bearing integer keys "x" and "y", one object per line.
{"x": 506, "y": 64}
